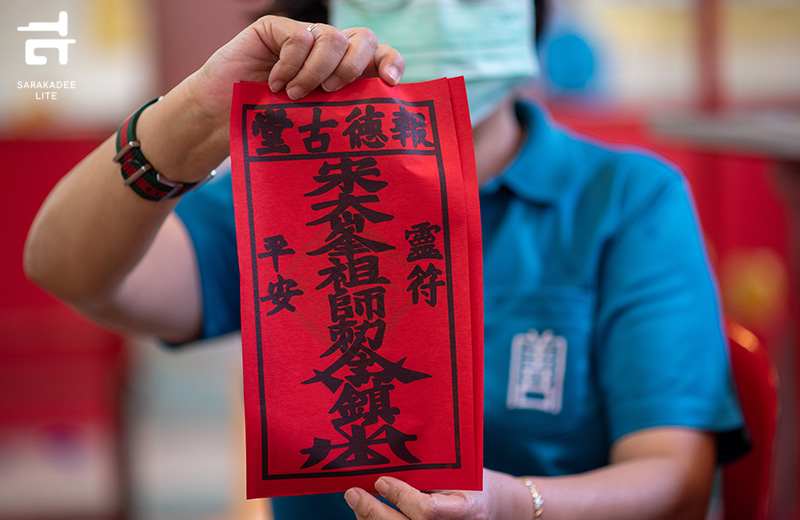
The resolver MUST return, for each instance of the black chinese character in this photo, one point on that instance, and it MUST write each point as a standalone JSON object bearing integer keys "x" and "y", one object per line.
{"x": 270, "y": 124}
{"x": 359, "y": 357}
{"x": 353, "y": 171}
{"x": 366, "y": 129}
{"x": 317, "y": 141}
{"x": 279, "y": 294}
{"x": 422, "y": 239}
{"x": 362, "y": 270}
{"x": 344, "y": 240}
{"x": 347, "y": 201}
{"x": 358, "y": 449}
{"x": 408, "y": 125}
{"x": 367, "y": 405}
{"x": 425, "y": 282}
{"x": 346, "y": 333}
{"x": 275, "y": 247}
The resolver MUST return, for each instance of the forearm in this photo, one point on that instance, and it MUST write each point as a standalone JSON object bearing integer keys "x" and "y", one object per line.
{"x": 661, "y": 473}
{"x": 636, "y": 490}
{"x": 92, "y": 230}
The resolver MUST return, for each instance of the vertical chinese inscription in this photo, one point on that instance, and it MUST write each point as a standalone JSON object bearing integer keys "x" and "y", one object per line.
{"x": 363, "y": 412}
{"x": 280, "y": 292}
{"x": 425, "y": 282}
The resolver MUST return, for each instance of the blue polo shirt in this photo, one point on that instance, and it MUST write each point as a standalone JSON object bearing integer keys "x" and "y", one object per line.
{"x": 601, "y": 315}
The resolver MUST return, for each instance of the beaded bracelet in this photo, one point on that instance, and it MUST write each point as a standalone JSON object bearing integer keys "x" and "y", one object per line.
{"x": 538, "y": 500}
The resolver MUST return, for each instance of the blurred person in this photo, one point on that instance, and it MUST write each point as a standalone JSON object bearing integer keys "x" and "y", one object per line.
{"x": 596, "y": 250}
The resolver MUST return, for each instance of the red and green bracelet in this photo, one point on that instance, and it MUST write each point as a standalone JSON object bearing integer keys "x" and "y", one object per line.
{"x": 137, "y": 171}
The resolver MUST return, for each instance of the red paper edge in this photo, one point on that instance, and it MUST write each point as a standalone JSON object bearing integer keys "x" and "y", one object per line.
{"x": 458, "y": 96}
{"x": 248, "y": 372}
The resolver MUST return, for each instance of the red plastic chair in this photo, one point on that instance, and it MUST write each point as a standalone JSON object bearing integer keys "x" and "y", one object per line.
{"x": 747, "y": 482}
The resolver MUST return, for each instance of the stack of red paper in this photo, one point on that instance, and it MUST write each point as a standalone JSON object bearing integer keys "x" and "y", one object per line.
{"x": 358, "y": 234}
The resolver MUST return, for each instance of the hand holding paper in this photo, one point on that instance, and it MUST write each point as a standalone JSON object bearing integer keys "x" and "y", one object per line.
{"x": 502, "y": 496}
{"x": 359, "y": 248}
{"x": 187, "y": 132}
{"x": 284, "y": 53}
{"x": 416, "y": 505}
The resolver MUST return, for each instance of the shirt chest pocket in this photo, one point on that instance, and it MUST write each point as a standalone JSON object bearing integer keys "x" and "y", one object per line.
{"x": 538, "y": 360}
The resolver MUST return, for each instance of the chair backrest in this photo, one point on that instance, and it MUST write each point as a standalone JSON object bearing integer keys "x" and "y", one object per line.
{"x": 747, "y": 482}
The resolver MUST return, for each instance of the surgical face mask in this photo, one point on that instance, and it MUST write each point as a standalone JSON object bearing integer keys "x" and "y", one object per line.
{"x": 490, "y": 43}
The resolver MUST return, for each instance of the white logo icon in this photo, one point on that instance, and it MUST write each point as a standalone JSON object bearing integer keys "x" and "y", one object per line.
{"x": 33, "y": 44}
{"x": 536, "y": 372}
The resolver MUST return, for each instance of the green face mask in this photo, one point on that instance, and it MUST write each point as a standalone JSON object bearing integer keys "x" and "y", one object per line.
{"x": 488, "y": 42}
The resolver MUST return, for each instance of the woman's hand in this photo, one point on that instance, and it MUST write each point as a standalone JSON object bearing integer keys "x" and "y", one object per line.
{"x": 187, "y": 133}
{"x": 447, "y": 505}
{"x": 292, "y": 55}
{"x": 414, "y": 504}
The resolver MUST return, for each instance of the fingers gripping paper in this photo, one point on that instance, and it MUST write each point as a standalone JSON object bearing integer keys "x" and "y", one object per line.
{"x": 358, "y": 235}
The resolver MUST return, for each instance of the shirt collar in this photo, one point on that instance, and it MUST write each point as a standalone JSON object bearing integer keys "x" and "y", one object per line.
{"x": 541, "y": 171}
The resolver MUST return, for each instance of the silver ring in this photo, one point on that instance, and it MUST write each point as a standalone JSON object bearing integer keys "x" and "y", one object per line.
{"x": 311, "y": 27}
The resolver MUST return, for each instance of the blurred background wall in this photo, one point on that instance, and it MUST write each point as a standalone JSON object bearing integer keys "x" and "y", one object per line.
{"x": 649, "y": 52}
{"x": 97, "y": 426}
{"x": 93, "y": 425}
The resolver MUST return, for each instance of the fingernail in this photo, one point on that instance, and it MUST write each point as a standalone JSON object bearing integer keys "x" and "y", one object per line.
{"x": 275, "y": 86}
{"x": 351, "y": 497}
{"x": 331, "y": 84}
{"x": 296, "y": 92}
{"x": 381, "y": 486}
{"x": 393, "y": 73}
